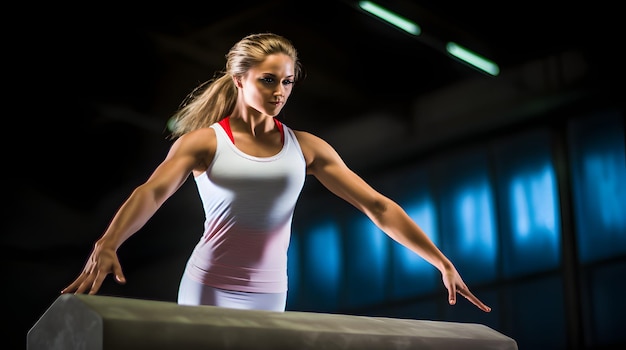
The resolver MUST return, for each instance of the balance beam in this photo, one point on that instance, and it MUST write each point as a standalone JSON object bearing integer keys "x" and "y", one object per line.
{"x": 95, "y": 322}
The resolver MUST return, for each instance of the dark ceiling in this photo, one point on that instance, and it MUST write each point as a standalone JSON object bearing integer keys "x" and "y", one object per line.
{"x": 148, "y": 59}
{"x": 104, "y": 78}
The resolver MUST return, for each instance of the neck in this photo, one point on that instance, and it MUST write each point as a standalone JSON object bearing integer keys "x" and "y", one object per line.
{"x": 252, "y": 124}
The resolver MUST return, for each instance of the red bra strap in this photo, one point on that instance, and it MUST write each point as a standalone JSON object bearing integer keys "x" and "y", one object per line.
{"x": 279, "y": 125}
{"x": 225, "y": 123}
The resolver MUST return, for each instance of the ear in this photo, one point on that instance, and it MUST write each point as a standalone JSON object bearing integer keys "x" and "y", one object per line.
{"x": 237, "y": 81}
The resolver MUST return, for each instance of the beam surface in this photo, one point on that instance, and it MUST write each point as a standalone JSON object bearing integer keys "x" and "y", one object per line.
{"x": 94, "y": 322}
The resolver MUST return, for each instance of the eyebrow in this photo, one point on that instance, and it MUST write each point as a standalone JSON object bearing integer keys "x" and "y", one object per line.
{"x": 274, "y": 75}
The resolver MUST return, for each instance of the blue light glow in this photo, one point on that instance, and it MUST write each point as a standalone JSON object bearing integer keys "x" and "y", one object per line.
{"x": 534, "y": 230}
{"x": 598, "y": 164}
{"x": 606, "y": 172}
{"x": 529, "y": 203}
{"x": 322, "y": 264}
{"x": 474, "y": 211}
{"x": 533, "y": 205}
{"x": 366, "y": 262}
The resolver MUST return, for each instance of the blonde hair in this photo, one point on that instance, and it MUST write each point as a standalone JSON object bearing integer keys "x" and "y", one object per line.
{"x": 215, "y": 99}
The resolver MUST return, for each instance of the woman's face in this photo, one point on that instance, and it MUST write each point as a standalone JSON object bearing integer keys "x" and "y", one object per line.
{"x": 267, "y": 86}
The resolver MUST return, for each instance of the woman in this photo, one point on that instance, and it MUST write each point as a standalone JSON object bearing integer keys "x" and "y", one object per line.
{"x": 249, "y": 169}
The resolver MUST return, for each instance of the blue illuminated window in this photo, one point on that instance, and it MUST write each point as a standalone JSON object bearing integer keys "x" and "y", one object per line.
{"x": 366, "y": 262}
{"x": 322, "y": 264}
{"x": 529, "y": 204}
{"x": 598, "y": 165}
{"x": 468, "y": 227}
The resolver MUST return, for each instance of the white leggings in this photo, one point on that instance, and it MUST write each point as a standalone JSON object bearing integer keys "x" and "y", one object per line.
{"x": 191, "y": 292}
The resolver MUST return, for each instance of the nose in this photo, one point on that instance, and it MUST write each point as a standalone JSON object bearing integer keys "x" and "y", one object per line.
{"x": 280, "y": 91}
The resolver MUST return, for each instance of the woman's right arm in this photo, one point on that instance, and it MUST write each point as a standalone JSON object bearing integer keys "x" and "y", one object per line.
{"x": 189, "y": 153}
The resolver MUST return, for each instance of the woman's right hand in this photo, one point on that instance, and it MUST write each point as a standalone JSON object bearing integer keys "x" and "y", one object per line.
{"x": 101, "y": 262}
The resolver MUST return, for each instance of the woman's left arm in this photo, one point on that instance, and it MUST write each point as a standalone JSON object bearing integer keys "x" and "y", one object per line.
{"x": 326, "y": 165}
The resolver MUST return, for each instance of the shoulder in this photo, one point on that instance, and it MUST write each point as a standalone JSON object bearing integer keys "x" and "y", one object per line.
{"x": 308, "y": 140}
{"x": 199, "y": 144}
{"x": 307, "y": 137}
{"x": 198, "y": 137}
{"x": 314, "y": 148}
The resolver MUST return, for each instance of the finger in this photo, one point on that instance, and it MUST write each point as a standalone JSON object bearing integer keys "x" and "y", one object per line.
{"x": 474, "y": 300}
{"x": 119, "y": 275}
{"x": 71, "y": 287}
{"x": 84, "y": 284}
{"x": 452, "y": 295}
{"x": 97, "y": 282}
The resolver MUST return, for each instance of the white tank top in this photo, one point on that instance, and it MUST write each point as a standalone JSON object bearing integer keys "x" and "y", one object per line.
{"x": 248, "y": 203}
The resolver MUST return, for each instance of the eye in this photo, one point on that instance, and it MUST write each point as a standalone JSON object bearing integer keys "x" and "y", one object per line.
{"x": 267, "y": 80}
{"x": 288, "y": 82}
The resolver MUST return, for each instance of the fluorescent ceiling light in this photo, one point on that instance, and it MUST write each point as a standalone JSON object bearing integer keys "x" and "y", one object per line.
{"x": 473, "y": 59}
{"x": 390, "y": 17}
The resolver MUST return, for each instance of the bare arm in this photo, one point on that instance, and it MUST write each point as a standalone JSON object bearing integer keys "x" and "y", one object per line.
{"x": 191, "y": 152}
{"x": 326, "y": 165}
